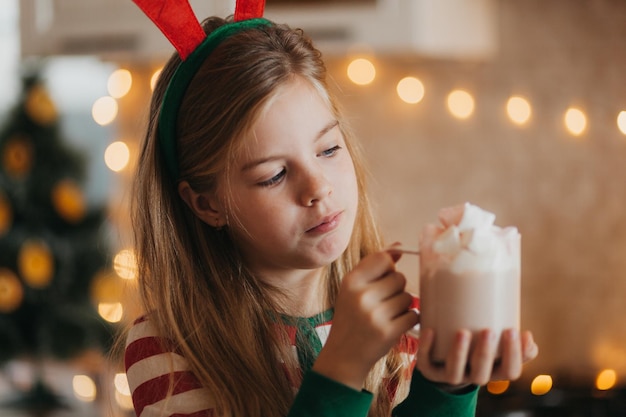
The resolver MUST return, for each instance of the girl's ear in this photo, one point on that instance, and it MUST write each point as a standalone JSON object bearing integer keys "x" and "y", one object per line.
{"x": 204, "y": 205}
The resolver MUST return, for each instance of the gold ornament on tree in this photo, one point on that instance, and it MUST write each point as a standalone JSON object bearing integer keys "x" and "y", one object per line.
{"x": 68, "y": 201}
{"x": 6, "y": 214}
{"x": 35, "y": 263}
{"x": 40, "y": 107}
{"x": 17, "y": 156}
{"x": 11, "y": 291}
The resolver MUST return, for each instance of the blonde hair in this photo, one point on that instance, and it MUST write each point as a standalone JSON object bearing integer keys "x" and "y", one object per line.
{"x": 193, "y": 282}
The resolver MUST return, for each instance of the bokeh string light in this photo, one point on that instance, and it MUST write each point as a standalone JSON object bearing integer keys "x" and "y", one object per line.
{"x": 410, "y": 90}
{"x": 154, "y": 78}
{"x": 498, "y": 387}
{"x": 111, "y": 312}
{"x": 122, "y": 391}
{"x": 541, "y": 385}
{"x": 361, "y": 71}
{"x": 518, "y": 110}
{"x": 621, "y": 121}
{"x": 606, "y": 379}
{"x": 119, "y": 83}
{"x": 117, "y": 156}
{"x": 104, "y": 110}
{"x": 84, "y": 388}
{"x": 460, "y": 104}
{"x": 125, "y": 264}
{"x": 575, "y": 121}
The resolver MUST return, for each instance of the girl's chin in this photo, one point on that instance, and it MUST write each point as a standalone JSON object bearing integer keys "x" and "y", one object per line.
{"x": 326, "y": 255}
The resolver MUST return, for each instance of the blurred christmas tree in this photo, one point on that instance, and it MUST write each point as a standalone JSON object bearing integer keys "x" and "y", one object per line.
{"x": 52, "y": 246}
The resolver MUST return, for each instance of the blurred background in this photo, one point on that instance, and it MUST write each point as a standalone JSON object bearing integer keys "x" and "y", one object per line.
{"x": 516, "y": 106}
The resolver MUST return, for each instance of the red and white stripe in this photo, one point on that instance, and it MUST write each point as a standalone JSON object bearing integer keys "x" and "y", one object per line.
{"x": 152, "y": 370}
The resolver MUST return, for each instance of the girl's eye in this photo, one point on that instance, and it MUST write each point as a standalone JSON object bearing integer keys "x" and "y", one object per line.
{"x": 274, "y": 180}
{"x": 331, "y": 151}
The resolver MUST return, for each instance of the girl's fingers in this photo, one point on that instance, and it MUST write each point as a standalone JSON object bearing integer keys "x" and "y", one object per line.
{"x": 530, "y": 350}
{"x": 453, "y": 371}
{"x": 394, "y": 316}
{"x": 386, "y": 297}
{"x": 511, "y": 365}
{"x": 456, "y": 362}
{"x": 371, "y": 268}
{"x": 395, "y": 254}
{"x": 405, "y": 321}
{"x": 477, "y": 367}
{"x": 482, "y": 357}
{"x": 390, "y": 285}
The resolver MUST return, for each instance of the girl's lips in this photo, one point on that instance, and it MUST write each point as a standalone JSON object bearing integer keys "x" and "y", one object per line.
{"x": 327, "y": 224}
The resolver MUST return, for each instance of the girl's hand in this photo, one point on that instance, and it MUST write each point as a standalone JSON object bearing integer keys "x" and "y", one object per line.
{"x": 479, "y": 366}
{"x": 371, "y": 313}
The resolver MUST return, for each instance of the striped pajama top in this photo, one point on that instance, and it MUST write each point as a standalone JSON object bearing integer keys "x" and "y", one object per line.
{"x": 149, "y": 366}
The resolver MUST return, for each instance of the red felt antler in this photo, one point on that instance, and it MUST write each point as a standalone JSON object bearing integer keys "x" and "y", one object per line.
{"x": 249, "y": 9}
{"x": 177, "y": 21}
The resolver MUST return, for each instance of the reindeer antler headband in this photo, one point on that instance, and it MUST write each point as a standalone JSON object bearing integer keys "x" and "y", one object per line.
{"x": 177, "y": 21}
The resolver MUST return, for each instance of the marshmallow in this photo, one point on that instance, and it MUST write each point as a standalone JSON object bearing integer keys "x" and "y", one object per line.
{"x": 469, "y": 241}
{"x": 475, "y": 218}
{"x": 448, "y": 242}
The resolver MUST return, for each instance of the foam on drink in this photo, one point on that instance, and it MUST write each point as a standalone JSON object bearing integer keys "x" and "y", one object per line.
{"x": 469, "y": 275}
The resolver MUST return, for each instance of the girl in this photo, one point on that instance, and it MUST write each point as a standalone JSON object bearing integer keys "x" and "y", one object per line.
{"x": 254, "y": 234}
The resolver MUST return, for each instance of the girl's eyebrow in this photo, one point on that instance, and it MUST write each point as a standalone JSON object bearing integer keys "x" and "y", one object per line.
{"x": 330, "y": 126}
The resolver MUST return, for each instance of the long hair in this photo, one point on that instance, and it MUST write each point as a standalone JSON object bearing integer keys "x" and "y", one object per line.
{"x": 193, "y": 281}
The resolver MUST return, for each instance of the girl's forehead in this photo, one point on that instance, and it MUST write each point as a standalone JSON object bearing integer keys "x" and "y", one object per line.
{"x": 296, "y": 110}
{"x": 313, "y": 88}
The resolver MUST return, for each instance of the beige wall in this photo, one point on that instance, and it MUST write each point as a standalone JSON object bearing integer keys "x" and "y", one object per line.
{"x": 567, "y": 196}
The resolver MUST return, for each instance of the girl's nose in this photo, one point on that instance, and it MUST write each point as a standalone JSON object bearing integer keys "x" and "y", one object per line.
{"x": 315, "y": 187}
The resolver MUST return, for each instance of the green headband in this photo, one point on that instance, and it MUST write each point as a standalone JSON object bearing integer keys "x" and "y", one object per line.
{"x": 180, "y": 82}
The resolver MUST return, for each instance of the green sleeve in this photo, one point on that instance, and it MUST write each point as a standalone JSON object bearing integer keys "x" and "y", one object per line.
{"x": 323, "y": 397}
{"x": 426, "y": 400}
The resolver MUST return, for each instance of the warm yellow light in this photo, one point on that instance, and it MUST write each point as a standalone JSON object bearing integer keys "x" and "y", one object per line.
{"x": 575, "y": 121}
{"x": 460, "y": 104}
{"x": 35, "y": 263}
{"x": 84, "y": 388}
{"x": 117, "y": 156}
{"x": 542, "y": 384}
{"x": 122, "y": 392}
{"x": 125, "y": 264}
{"x": 361, "y": 71}
{"x": 11, "y": 291}
{"x": 621, "y": 121}
{"x": 121, "y": 384}
{"x": 111, "y": 312}
{"x": 410, "y": 90}
{"x": 155, "y": 77}
{"x": 498, "y": 387}
{"x": 104, "y": 110}
{"x": 518, "y": 109}
{"x": 606, "y": 379}
{"x": 120, "y": 82}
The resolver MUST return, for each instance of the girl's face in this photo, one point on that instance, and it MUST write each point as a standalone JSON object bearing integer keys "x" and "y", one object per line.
{"x": 294, "y": 188}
